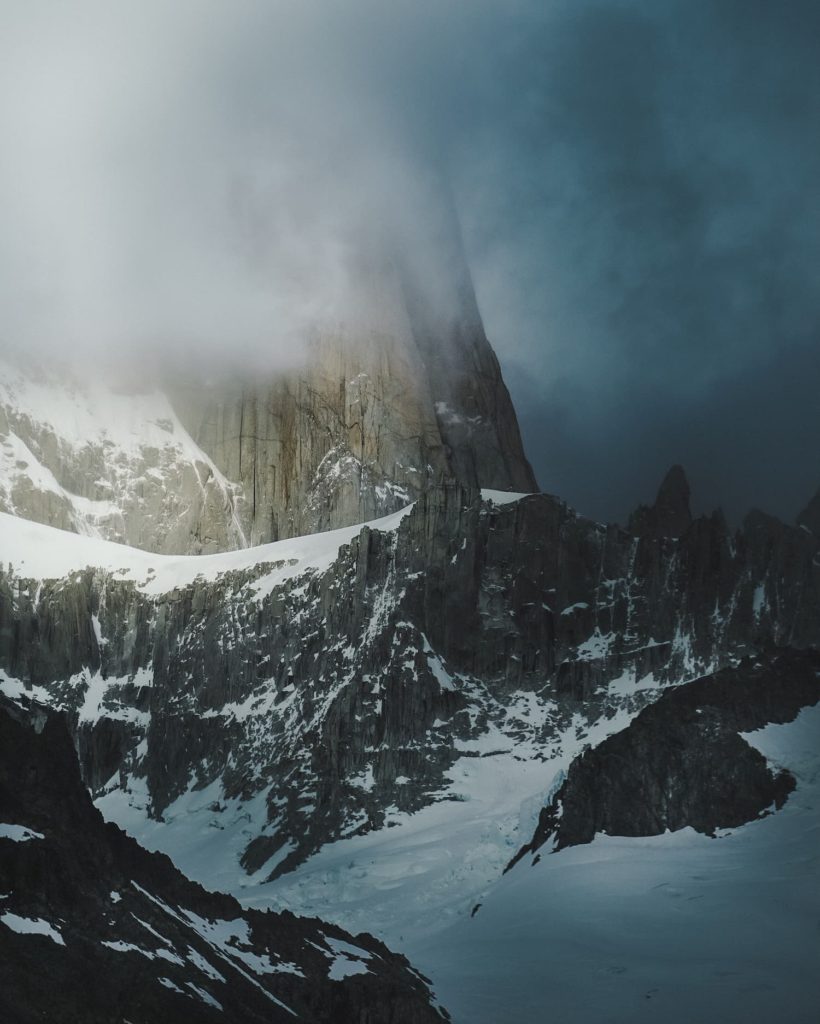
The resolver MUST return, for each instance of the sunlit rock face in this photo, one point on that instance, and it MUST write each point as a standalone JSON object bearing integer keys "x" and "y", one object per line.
{"x": 399, "y": 392}
{"x": 374, "y": 417}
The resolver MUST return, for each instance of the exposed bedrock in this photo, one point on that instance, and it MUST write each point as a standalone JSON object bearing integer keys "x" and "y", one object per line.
{"x": 346, "y": 691}
{"x": 683, "y": 761}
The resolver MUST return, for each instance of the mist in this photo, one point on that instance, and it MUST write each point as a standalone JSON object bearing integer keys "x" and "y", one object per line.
{"x": 635, "y": 185}
{"x": 209, "y": 181}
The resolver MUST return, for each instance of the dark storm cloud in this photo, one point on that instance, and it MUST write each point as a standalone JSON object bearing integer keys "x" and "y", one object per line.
{"x": 636, "y": 181}
{"x": 657, "y": 257}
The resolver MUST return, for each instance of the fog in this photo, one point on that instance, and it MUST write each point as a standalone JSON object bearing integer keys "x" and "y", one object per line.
{"x": 211, "y": 181}
{"x": 635, "y": 183}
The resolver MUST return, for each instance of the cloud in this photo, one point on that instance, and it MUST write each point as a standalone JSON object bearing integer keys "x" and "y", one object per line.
{"x": 211, "y": 178}
{"x": 635, "y": 181}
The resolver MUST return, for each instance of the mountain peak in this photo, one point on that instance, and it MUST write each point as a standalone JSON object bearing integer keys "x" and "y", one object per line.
{"x": 670, "y": 516}
{"x": 376, "y": 412}
{"x": 672, "y": 502}
{"x": 809, "y": 518}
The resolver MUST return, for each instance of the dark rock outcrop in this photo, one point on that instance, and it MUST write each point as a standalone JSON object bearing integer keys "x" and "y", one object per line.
{"x": 670, "y": 516}
{"x": 682, "y": 761}
{"x": 809, "y": 518}
{"x": 95, "y": 929}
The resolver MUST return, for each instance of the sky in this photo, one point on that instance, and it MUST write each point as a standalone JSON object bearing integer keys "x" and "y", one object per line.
{"x": 651, "y": 275}
{"x": 636, "y": 183}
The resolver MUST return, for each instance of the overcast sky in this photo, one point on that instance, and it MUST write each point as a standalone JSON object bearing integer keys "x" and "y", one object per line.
{"x": 651, "y": 275}
{"x": 637, "y": 182}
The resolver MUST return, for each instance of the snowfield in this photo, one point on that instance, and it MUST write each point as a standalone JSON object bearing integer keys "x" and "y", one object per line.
{"x": 18, "y": 833}
{"x": 35, "y": 551}
{"x": 31, "y": 926}
{"x": 675, "y": 928}
{"x": 678, "y": 927}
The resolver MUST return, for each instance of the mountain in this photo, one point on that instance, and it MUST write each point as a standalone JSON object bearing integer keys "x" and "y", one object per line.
{"x": 351, "y": 664}
{"x": 105, "y": 461}
{"x": 367, "y": 724}
{"x": 376, "y": 415}
{"x": 370, "y": 414}
{"x": 334, "y": 684}
{"x": 94, "y": 928}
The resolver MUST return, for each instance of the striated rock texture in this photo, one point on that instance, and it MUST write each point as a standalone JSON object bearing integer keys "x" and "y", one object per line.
{"x": 308, "y": 700}
{"x": 93, "y": 928}
{"x": 682, "y": 761}
{"x": 374, "y": 411}
{"x": 382, "y": 408}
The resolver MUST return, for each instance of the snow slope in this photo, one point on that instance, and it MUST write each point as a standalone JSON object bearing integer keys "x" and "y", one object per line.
{"x": 415, "y": 875}
{"x": 107, "y": 462}
{"x": 35, "y": 551}
{"x": 502, "y": 497}
{"x": 674, "y": 928}
{"x": 430, "y": 868}
{"x": 678, "y": 927}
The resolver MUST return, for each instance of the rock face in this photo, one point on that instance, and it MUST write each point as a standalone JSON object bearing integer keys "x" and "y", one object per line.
{"x": 94, "y": 928}
{"x": 682, "y": 761}
{"x": 371, "y": 420}
{"x": 376, "y": 411}
{"x": 321, "y": 694}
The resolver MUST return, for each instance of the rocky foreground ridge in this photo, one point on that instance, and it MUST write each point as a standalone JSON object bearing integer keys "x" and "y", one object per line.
{"x": 95, "y": 929}
{"x": 319, "y": 695}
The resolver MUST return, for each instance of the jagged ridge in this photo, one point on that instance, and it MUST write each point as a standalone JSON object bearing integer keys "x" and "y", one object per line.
{"x": 120, "y": 933}
{"x": 331, "y": 696}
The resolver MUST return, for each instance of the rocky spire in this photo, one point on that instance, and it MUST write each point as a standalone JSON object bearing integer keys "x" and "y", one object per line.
{"x": 670, "y": 516}
{"x": 809, "y": 518}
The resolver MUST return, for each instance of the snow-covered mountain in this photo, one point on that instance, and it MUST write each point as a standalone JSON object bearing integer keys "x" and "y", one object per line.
{"x": 372, "y": 720}
{"x": 366, "y": 723}
{"x": 324, "y": 685}
{"x": 105, "y": 462}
